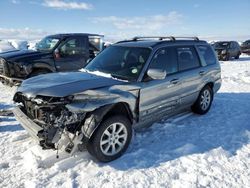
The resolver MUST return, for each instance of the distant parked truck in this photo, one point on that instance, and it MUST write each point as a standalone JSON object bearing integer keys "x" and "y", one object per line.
{"x": 54, "y": 53}
{"x": 245, "y": 47}
{"x": 227, "y": 49}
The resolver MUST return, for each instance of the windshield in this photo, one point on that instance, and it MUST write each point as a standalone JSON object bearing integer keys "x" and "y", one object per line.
{"x": 47, "y": 44}
{"x": 221, "y": 44}
{"x": 120, "y": 62}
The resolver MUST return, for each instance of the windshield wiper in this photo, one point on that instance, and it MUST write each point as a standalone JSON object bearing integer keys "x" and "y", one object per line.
{"x": 120, "y": 77}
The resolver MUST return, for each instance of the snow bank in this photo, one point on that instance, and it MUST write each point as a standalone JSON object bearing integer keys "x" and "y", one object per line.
{"x": 19, "y": 44}
{"x": 32, "y": 44}
{"x": 5, "y": 46}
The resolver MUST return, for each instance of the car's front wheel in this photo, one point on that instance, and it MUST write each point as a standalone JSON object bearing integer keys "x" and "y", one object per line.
{"x": 204, "y": 101}
{"x": 111, "y": 139}
{"x": 226, "y": 57}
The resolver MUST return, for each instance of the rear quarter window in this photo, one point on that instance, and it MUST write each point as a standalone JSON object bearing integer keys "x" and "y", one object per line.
{"x": 207, "y": 54}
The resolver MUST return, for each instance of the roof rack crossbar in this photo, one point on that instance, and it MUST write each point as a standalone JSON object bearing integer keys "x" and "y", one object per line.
{"x": 194, "y": 38}
{"x": 154, "y": 37}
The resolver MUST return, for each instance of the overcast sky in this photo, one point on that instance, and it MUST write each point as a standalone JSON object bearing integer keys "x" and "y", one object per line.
{"x": 119, "y": 19}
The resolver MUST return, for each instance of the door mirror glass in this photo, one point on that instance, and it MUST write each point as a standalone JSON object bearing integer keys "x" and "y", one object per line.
{"x": 156, "y": 74}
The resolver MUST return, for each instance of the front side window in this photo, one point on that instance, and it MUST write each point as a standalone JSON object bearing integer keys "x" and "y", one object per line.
{"x": 207, "y": 54}
{"x": 120, "y": 62}
{"x": 73, "y": 47}
{"x": 187, "y": 58}
{"x": 47, "y": 44}
{"x": 165, "y": 60}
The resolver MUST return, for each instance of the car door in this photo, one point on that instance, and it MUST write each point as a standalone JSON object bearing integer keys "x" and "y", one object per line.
{"x": 237, "y": 48}
{"x": 232, "y": 49}
{"x": 160, "y": 97}
{"x": 72, "y": 54}
{"x": 191, "y": 73}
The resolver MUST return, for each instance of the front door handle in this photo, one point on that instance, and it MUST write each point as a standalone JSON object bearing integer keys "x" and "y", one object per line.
{"x": 174, "y": 81}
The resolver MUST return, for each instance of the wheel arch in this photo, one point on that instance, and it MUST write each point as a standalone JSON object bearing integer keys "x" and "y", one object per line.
{"x": 94, "y": 118}
{"x": 210, "y": 84}
{"x": 42, "y": 66}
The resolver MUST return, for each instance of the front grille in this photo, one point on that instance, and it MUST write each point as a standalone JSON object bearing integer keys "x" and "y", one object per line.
{"x": 1, "y": 66}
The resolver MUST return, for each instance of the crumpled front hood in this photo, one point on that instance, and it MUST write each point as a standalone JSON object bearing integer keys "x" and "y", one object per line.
{"x": 64, "y": 84}
{"x": 23, "y": 55}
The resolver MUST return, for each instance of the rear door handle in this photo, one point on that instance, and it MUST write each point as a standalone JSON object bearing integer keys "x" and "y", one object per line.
{"x": 202, "y": 73}
{"x": 174, "y": 81}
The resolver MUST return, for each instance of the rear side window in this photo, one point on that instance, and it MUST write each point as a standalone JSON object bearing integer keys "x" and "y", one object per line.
{"x": 207, "y": 54}
{"x": 165, "y": 59}
{"x": 187, "y": 58}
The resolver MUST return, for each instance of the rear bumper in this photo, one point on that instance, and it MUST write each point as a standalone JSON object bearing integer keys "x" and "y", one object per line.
{"x": 27, "y": 123}
{"x": 245, "y": 50}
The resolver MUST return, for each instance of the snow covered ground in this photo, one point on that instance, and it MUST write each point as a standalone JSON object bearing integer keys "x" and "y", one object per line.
{"x": 14, "y": 44}
{"x": 185, "y": 151}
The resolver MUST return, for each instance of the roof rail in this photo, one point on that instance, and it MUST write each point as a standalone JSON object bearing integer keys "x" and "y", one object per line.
{"x": 171, "y": 38}
{"x": 124, "y": 41}
{"x": 154, "y": 37}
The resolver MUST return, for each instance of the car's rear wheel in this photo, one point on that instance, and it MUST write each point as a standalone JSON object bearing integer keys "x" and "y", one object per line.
{"x": 111, "y": 139}
{"x": 238, "y": 56}
{"x": 204, "y": 101}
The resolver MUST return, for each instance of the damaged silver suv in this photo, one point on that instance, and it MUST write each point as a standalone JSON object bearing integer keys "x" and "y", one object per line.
{"x": 129, "y": 85}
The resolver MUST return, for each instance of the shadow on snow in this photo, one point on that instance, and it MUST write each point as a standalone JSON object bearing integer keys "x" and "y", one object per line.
{"x": 225, "y": 126}
{"x": 10, "y": 128}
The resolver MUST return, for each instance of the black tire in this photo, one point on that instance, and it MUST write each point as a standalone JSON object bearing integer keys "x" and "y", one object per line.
{"x": 226, "y": 58}
{"x": 198, "y": 107}
{"x": 238, "y": 56}
{"x": 38, "y": 72}
{"x": 97, "y": 150}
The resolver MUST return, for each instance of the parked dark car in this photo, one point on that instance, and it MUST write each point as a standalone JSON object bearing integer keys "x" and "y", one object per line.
{"x": 227, "y": 49}
{"x": 129, "y": 85}
{"x": 245, "y": 47}
{"x": 55, "y": 53}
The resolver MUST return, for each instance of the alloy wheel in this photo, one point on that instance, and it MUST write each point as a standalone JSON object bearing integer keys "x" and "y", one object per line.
{"x": 113, "y": 139}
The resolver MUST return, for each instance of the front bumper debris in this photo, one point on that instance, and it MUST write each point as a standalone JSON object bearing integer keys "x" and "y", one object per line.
{"x": 27, "y": 123}
{"x": 10, "y": 81}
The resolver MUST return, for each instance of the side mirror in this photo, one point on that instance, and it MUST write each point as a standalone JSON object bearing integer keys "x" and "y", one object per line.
{"x": 57, "y": 54}
{"x": 156, "y": 74}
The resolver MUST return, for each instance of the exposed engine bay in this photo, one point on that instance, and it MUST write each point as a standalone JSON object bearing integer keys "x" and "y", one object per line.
{"x": 60, "y": 127}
